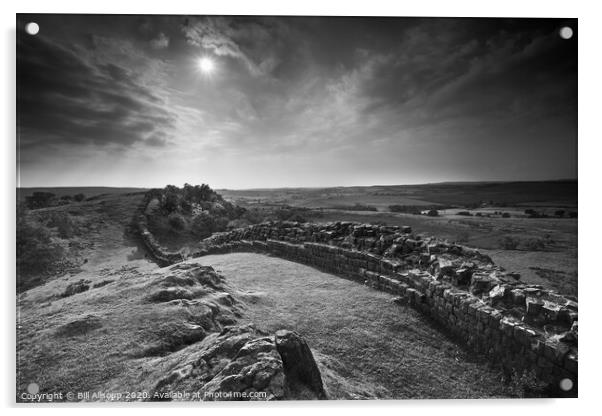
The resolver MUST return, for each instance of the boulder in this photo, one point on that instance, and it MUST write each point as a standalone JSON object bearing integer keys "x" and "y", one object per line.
{"x": 534, "y": 306}
{"x": 445, "y": 268}
{"x": 481, "y": 283}
{"x": 462, "y": 277}
{"x": 497, "y": 294}
{"x": 300, "y": 368}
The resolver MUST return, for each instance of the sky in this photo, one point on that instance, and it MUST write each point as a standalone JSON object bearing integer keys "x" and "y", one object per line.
{"x": 257, "y": 102}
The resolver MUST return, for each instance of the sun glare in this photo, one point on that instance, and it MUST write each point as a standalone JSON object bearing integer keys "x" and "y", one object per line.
{"x": 206, "y": 65}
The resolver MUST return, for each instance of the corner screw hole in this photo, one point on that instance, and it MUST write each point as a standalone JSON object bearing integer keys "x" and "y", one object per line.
{"x": 32, "y": 28}
{"x": 565, "y": 32}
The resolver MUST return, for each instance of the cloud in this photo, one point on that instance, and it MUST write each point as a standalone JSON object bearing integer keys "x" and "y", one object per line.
{"x": 160, "y": 42}
{"x": 67, "y": 100}
{"x": 369, "y": 99}
{"x": 251, "y": 42}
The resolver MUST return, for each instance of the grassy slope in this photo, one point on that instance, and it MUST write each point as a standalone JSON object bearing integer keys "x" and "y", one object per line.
{"x": 387, "y": 348}
{"x": 99, "y": 239}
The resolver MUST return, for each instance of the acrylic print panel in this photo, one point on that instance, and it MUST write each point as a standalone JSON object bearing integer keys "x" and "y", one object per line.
{"x": 295, "y": 208}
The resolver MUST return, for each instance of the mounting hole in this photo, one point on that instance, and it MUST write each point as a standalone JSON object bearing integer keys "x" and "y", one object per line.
{"x": 566, "y": 384}
{"x": 32, "y": 28}
{"x": 33, "y": 388}
{"x": 565, "y": 32}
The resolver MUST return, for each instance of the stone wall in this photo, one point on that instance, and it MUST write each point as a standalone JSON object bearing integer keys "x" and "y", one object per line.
{"x": 160, "y": 255}
{"x": 518, "y": 326}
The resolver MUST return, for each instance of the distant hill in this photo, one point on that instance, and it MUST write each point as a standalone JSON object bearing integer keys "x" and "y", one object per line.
{"x": 88, "y": 191}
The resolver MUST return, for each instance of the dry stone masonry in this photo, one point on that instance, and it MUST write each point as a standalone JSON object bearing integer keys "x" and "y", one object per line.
{"x": 521, "y": 327}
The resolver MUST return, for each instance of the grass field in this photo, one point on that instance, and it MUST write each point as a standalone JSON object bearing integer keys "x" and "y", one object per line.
{"x": 541, "y": 194}
{"x": 390, "y": 350}
{"x": 88, "y": 191}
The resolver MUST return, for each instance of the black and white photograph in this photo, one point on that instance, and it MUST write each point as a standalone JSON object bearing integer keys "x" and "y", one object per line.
{"x": 294, "y": 208}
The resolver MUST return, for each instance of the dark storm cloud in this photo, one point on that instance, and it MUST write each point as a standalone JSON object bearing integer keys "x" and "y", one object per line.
{"x": 66, "y": 98}
{"x": 503, "y": 71}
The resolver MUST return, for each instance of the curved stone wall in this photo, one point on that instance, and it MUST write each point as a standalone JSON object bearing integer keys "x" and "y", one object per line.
{"x": 519, "y": 326}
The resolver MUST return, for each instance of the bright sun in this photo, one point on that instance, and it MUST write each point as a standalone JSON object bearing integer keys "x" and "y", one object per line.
{"x": 206, "y": 65}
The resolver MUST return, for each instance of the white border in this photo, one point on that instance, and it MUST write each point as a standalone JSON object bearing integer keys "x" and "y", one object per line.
{"x": 590, "y": 95}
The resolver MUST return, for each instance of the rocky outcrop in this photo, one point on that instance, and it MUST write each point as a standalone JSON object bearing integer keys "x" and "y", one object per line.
{"x": 242, "y": 363}
{"x": 302, "y": 373}
{"x": 210, "y": 353}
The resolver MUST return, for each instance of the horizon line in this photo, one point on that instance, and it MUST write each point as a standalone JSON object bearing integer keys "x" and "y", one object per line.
{"x": 310, "y": 187}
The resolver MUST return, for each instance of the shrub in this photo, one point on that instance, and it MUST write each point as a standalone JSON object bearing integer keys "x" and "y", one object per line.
{"x": 238, "y": 223}
{"x": 465, "y": 213}
{"x": 203, "y": 225}
{"x": 356, "y": 207}
{"x": 535, "y": 244}
{"x": 186, "y": 207}
{"x": 36, "y": 252}
{"x": 254, "y": 216}
{"x": 221, "y": 224}
{"x": 64, "y": 224}
{"x": 509, "y": 243}
{"x": 534, "y": 214}
{"x": 526, "y": 385}
{"x": 176, "y": 221}
{"x": 506, "y": 215}
{"x": 407, "y": 209}
{"x": 198, "y": 193}
{"x": 79, "y": 197}
{"x": 171, "y": 200}
{"x": 40, "y": 200}
{"x": 288, "y": 213}
{"x": 433, "y": 213}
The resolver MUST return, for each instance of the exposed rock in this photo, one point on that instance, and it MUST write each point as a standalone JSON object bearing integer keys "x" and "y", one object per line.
{"x": 242, "y": 363}
{"x": 79, "y": 326}
{"x": 76, "y": 287}
{"x": 170, "y": 293}
{"x": 481, "y": 283}
{"x": 302, "y": 373}
{"x": 497, "y": 294}
{"x": 445, "y": 268}
{"x": 533, "y": 306}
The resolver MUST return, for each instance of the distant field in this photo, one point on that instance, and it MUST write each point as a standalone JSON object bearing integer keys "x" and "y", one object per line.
{"x": 88, "y": 191}
{"x": 541, "y": 194}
